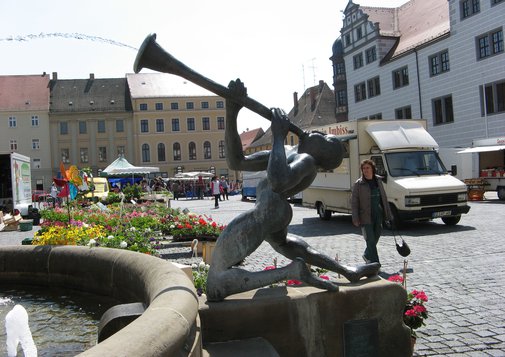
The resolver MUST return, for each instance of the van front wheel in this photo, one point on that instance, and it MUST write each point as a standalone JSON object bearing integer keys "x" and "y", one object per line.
{"x": 451, "y": 221}
{"x": 322, "y": 212}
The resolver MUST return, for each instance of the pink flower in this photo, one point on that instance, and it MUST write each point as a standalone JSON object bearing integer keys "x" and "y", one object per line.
{"x": 396, "y": 279}
{"x": 411, "y": 312}
{"x": 293, "y": 282}
{"x": 270, "y": 267}
{"x": 419, "y": 309}
{"x": 325, "y": 277}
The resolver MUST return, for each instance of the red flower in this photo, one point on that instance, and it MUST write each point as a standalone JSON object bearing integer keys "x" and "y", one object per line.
{"x": 324, "y": 277}
{"x": 396, "y": 279}
{"x": 293, "y": 282}
{"x": 411, "y": 312}
{"x": 419, "y": 309}
{"x": 214, "y": 224}
{"x": 270, "y": 267}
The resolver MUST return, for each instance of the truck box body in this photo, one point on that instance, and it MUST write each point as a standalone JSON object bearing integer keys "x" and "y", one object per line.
{"x": 416, "y": 182}
{"x": 15, "y": 183}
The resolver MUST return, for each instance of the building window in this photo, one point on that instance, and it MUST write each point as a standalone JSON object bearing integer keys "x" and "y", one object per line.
{"x": 143, "y": 106}
{"x": 175, "y": 125}
{"x": 35, "y": 120}
{"x": 191, "y": 124}
{"x": 469, "y": 8}
{"x": 63, "y": 128}
{"x": 340, "y": 68}
{"x": 222, "y": 154}
{"x": 144, "y": 126}
{"x": 207, "y": 154}
{"x": 12, "y": 122}
{"x": 161, "y": 152}
{"x": 65, "y": 156}
{"x": 121, "y": 150}
{"x": 400, "y": 77}
{"x": 439, "y": 63}
{"x": 13, "y": 145}
{"x": 347, "y": 39}
{"x": 146, "y": 153}
{"x": 403, "y": 113}
{"x": 371, "y": 55}
{"x": 220, "y": 123}
{"x": 36, "y": 163}
{"x": 374, "y": 87}
{"x": 192, "y": 150}
{"x": 160, "y": 125}
{"x": 219, "y": 104}
{"x": 494, "y": 98}
{"x": 174, "y": 106}
{"x": 176, "y": 147}
{"x": 101, "y": 126}
{"x": 359, "y": 92}
{"x": 119, "y": 126}
{"x": 358, "y": 60}
{"x": 341, "y": 98}
{"x": 190, "y": 105}
{"x": 375, "y": 116}
{"x": 83, "y": 153}
{"x": 205, "y": 105}
{"x": 35, "y": 144}
{"x": 158, "y": 106}
{"x": 359, "y": 33}
{"x": 102, "y": 153}
{"x": 83, "y": 128}
{"x": 205, "y": 123}
{"x": 490, "y": 44}
{"x": 442, "y": 110}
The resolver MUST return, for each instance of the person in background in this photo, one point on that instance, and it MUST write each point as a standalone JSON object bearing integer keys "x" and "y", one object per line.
{"x": 369, "y": 208}
{"x": 200, "y": 187}
{"x": 225, "y": 187}
{"x": 54, "y": 194}
{"x": 175, "y": 189}
{"x": 215, "y": 188}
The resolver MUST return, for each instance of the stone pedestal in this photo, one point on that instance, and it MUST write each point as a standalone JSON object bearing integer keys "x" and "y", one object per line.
{"x": 362, "y": 319}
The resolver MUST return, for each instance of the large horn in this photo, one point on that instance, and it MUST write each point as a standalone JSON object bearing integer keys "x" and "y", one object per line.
{"x": 152, "y": 56}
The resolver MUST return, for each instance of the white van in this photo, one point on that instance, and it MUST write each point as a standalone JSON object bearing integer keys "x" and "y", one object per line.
{"x": 417, "y": 184}
{"x": 101, "y": 190}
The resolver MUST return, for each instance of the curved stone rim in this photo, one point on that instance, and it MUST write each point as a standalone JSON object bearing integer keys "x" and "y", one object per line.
{"x": 167, "y": 327}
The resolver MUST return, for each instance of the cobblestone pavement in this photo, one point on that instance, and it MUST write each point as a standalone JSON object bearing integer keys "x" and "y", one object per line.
{"x": 461, "y": 267}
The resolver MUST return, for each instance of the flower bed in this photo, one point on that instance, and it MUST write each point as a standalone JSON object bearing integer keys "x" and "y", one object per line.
{"x": 134, "y": 227}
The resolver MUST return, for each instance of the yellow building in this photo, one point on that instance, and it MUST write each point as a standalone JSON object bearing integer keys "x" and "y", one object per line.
{"x": 177, "y": 126}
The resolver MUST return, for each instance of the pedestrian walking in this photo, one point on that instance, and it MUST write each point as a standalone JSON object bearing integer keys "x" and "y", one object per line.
{"x": 215, "y": 188}
{"x": 369, "y": 208}
{"x": 225, "y": 187}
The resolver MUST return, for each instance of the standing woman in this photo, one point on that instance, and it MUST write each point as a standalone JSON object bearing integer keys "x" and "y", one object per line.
{"x": 369, "y": 207}
{"x": 215, "y": 188}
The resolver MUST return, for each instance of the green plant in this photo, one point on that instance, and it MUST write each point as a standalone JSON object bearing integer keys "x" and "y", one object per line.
{"x": 200, "y": 275}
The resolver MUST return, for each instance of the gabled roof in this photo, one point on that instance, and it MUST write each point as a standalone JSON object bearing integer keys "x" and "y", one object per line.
{"x": 248, "y": 137}
{"x": 24, "y": 92}
{"x": 414, "y": 23}
{"x": 315, "y": 108}
{"x": 89, "y": 95}
{"x": 158, "y": 85}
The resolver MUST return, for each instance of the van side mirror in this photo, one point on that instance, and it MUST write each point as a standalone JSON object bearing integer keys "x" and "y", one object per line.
{"x": 385, "y": 177}
{"x": 454, "y": 170}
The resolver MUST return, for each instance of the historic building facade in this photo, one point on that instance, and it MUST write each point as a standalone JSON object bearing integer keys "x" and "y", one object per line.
{"x": 439, "y": 60}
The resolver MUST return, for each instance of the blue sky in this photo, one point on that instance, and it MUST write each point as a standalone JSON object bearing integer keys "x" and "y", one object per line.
{"x": 275, "y": 47}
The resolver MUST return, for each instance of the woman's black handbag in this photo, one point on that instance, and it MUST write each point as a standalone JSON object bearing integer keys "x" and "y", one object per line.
{"x": 403, "y": 248}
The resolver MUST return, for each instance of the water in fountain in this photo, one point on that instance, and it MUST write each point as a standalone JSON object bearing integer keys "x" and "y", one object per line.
{"x": 76, "y": 36}
{"x": 63, "y": 322}
{"x": 18, "y": 332}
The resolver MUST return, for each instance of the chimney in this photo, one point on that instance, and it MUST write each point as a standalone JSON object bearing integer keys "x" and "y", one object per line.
{"x": 55, "y": 76}
{"x": 295, "y": 102}
{"x": 312, "y": 98}
{"x": 321, "y": 85}
{"x": 91, "y": 76}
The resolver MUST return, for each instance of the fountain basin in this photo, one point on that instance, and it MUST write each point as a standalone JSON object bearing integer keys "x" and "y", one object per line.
{"x": 168, "y": 327}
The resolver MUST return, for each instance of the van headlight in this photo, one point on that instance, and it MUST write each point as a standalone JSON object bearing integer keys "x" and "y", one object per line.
{"x": 412, "y": 201}
{"x": 462, "y": 197}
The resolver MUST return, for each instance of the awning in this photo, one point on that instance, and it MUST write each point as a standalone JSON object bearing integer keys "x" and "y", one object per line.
{"x": 483, "y": 149}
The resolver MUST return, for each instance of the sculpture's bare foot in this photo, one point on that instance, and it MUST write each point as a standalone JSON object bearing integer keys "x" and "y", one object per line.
{"x": 303, "y": 273}
{"x": 354, "y": 274}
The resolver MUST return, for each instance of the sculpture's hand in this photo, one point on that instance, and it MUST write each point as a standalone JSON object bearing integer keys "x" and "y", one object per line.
{"x": 280, "y": 123}
{"x": 239, "y": 91}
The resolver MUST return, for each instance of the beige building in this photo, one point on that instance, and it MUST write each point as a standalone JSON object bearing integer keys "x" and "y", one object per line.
{"x": 24, "y": 123}
{"x": 178, "y": 126}
{"x": 90, "y": 122}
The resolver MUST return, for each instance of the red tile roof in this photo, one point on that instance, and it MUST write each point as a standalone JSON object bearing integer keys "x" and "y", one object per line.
{"x": 248, "y": 137}
{"x": 24, "y": 92}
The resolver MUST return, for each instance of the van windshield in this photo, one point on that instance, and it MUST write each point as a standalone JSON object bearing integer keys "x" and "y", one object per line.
{"x": 414, "y": 163}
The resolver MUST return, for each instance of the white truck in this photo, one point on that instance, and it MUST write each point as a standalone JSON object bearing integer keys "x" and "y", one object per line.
{"x": 15, "y": 183}
{"x": 487, "y": 160}
{"x": 417, "y": 184}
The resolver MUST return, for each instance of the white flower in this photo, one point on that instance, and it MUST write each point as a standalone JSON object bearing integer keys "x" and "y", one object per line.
{"x": 133, "y": 229}
{"x": 193, "y": 266}
{"x": 172, "y": 226}
{"x": 201, "y": 266}
{"x": 123, "y": 244}
{"x": 85, "y": 225}
{"x": 110, "y": 237}
{"x": 92, "y": 242}
{"x": 148, "y": 230}
{"x": 207, "y": 267}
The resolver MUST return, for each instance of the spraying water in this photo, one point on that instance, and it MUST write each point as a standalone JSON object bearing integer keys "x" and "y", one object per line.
{"x": 76, "y": 36}
{"x": 18, "y": 331}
